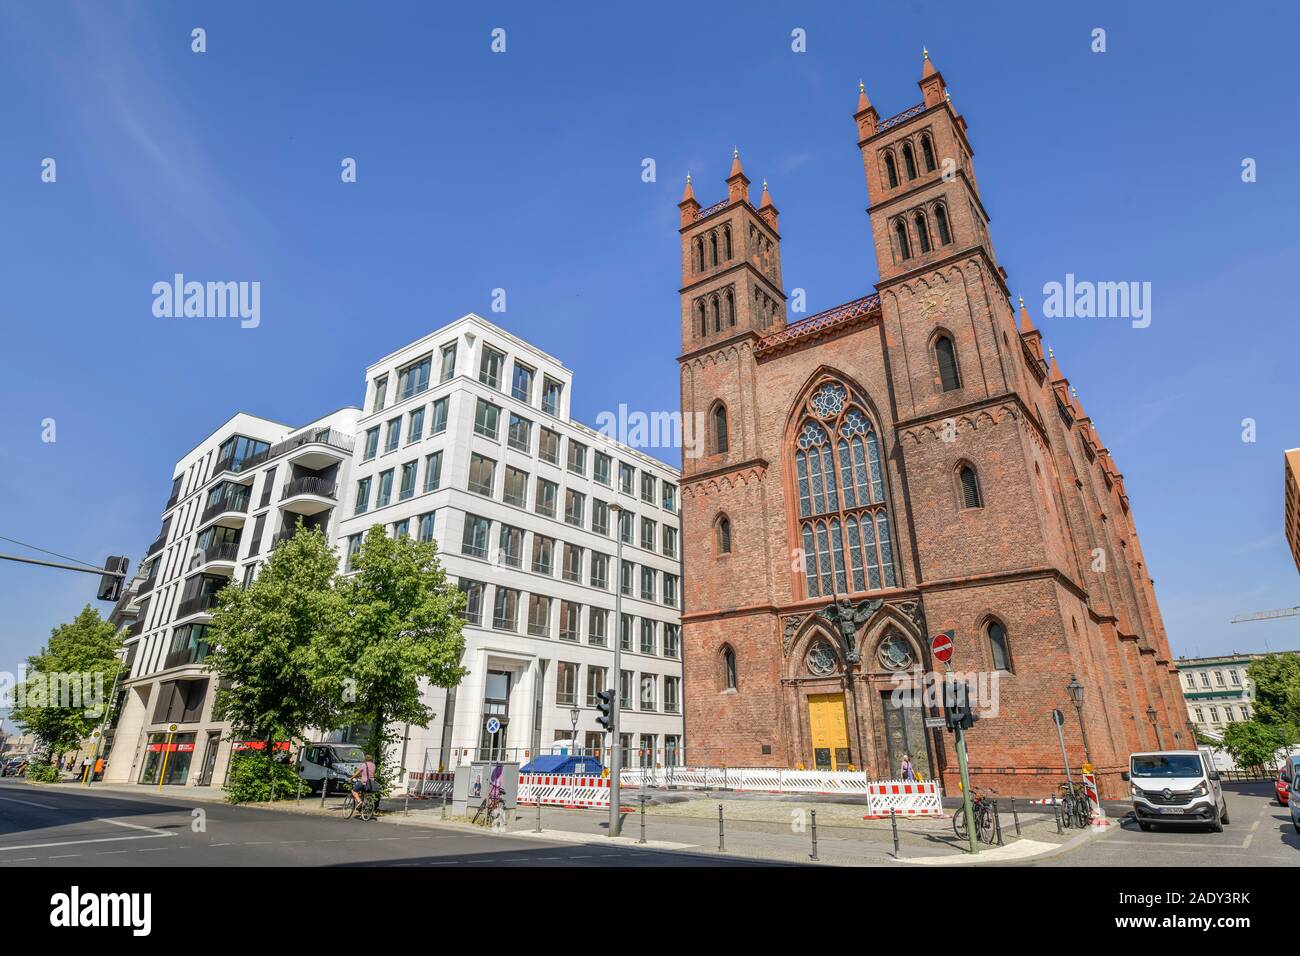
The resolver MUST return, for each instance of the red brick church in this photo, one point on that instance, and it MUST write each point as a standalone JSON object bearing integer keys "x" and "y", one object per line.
{"x": 896, "y": 466}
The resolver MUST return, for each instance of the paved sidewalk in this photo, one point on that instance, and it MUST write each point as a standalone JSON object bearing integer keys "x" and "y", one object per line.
{"x": 763, "y": 827}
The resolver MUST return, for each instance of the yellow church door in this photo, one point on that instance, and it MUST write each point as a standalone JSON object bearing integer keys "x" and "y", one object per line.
{"x": 830, "y": 731}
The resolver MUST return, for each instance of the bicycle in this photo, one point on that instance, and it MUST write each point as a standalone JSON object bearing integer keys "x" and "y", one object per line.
{"x": 982, "y": 810}
{"x": 368, "y": 809}
{"x": 1076, "y": 809}
{"x": 492, "y": 810}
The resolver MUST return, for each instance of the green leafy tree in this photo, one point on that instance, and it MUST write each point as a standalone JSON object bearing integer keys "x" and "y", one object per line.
{"x": 66, "y": 691}
{"x": 403, "y": 630}
{"x": 264, "y": 639}
{"x": 1277, "y": 689}
{"x": 1253, "y": 744}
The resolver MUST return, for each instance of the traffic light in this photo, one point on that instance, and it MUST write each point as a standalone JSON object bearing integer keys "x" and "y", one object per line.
{"x": 957, "y": 710}
{"x": 110, "y": 585}
{"x": 605, "y": 705}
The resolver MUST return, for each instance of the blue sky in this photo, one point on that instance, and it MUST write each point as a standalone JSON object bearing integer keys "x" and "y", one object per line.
{"x": 522, "y": 171}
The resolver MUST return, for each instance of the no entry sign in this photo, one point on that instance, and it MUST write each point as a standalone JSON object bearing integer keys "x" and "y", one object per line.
{"x": 941, "y": 647}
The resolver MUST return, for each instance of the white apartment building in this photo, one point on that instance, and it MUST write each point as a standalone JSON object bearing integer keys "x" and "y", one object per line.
{"x": 464, "y": 439}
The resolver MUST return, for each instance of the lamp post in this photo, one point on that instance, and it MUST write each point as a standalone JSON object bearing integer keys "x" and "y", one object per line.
{"x": 1151, "y": 716}
{"x": 615, "y": 702}
{"x": 573, "y": 716}
{"x": 1076, "y": 698}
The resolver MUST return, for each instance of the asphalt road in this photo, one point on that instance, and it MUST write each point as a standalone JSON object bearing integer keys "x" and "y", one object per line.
{"x": 44, "y": 827}
{"x": 1260, "y": 834}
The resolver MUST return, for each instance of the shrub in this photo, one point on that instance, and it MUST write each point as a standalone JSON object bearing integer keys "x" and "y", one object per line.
{"x": 42, "y": 771}
{"x": 255, "y": 777}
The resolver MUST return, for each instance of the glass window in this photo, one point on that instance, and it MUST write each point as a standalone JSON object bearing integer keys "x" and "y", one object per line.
{"x": 572, "y": 563}
{"x": 381, "y": 393}
{"x": 647, "y": 487}
{"x": 570, "y": 620}
{"x": 512, "y": 546}
{"x": 625, "y": 527}
{"x": 432, "y": 471}
{"x": 354, "y": 545}
{"x": 363, "y": 496}
{"x": 426, "y": 526}
{"x": 672, "y": 694}
{"x": 672, "y": 640}
{"x": 402, "y": 527}
{"x": 539, "y": 615}
{"x": 574, "y": 508}
{"x": 670, "y": 590}
{"x": 414, "y": 378}
{"x": 625, "y": 697}
{"x": 394, "y": 434}
{"x": 521, "y": 433}
{"x": 372, "y": 443}
{"x": 521, "y": 386}
{"x": 408, "y": 481}
{"x": 490, "y": 365}
{"x": 385, "y": 488}
{"x": 551, "y": 391}
{"x": 481, "y": 473}
{"x": 473, "y": 612}
{"x": 600, "y": 470}
{"x": 647, "y": 583}
{"x": 625, "y": 626}
{"x": 474, "y": 541}
{"x": 577, "y": 457}
{"x": 647, "y": 534}
{"x": 626, "y": 570}
{"x": 648, "y": 636}
{"x": 626, "y": 474}
{"x": 599, "y": 516}
{"x": 599, "y": 570}
{"x": 597, "y": 621}
{"x": 547, "y": 493}
{"x": 566, "y": 684}
{"x": 516, "y": 487}
{"x": 415, "y": 427}
{"x": 487, "y": 419}
{"x": 670, "y": 497}
{"x": 999, "y": 646}
{"x": 439, "y": 417}
{"x": 548, "y": 449}
{"x": 649, "y": 701}
{"x": 595, "y": 684}
{"x": 543, "y": 554}
{"x": 670, "y": 542}
{"x": 505, "y": 610}
{"x": 448, "y": 362}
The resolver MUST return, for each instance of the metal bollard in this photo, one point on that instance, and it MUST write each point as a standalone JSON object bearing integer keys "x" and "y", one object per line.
{"x": 407, "y": 811}
{"x": 642, "y": 840}
{"x": 324, "y": 792}
{"x": 538, "y": 797}
{"x": 997, "y": 823}
{"x": 893, "y": 823}
{"x": 814, "y": 835}
{"x": 1056, "y": 812}
{"x": 1015, "y": 816}
{"x": 445, "y": 796}
{"x": 299, "y": 797}
{"x": 722, "y": 843}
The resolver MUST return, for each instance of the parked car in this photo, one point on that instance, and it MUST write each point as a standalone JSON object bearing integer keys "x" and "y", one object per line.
{"x": 1294, "y": 765}
{"x": 1176, "y": 786}
{"x": 14, "y": 767}
{"x": 325, "y": 761}
{"x": 1282, "y": 784}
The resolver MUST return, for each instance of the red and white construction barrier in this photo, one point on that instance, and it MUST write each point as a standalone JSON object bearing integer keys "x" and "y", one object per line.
{"x": 422, "y": 786}
{"x": 1094, "y": 799}
{"x": 909, "y": 798}
{"x": 564, "y": 790}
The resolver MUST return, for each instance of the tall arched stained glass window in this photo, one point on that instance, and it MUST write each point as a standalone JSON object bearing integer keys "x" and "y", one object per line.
{"x": 839, "y": 479}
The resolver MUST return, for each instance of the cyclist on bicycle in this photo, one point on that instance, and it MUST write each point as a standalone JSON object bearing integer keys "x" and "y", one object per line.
{"x": 363, "y": 780}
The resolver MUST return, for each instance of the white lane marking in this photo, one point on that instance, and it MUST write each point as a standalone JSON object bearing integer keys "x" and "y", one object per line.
{"x": 151, "y": 834}
{"x": 1251, "y": 835}
{"x": 30, "y": 803}
{"x": 65, "y": 856}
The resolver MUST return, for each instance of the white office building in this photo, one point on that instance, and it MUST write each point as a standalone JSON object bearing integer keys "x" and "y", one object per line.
{"x": 464, "y": 438}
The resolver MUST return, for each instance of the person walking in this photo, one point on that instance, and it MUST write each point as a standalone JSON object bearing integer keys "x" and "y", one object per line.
{"x": 907, "y": 771}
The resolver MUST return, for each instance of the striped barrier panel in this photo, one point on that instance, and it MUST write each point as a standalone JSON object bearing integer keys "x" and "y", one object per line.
{"x": 562, "y": 790}
{"x": 422, "y": 785}
{"x": 909, "y": 798}
{"x": 757, "y": 779}
{"x": 1094, "y": 798}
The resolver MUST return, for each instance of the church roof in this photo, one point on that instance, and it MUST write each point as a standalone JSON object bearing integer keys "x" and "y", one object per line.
{"x": 841, "y": 315}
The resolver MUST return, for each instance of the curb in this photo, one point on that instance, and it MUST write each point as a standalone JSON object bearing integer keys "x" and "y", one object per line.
{"x": 1092, "y": 833}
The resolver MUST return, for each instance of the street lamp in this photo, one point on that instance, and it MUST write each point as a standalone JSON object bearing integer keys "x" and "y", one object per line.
{"x": 1151, "y": 716}
{"x": 574, "y": 714}
{"x": 615, "y": 699}
{"x": 1076, "y": 697}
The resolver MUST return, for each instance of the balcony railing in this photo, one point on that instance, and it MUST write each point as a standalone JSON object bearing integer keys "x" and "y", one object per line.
{"x": 311, "y": 485}
{"x": 157, "y": 545}
{"x": 196, "y": 604}
{"x": 226, "y": 551}
{"x": 223, "y": 506}
{"x": 186, "y": 655}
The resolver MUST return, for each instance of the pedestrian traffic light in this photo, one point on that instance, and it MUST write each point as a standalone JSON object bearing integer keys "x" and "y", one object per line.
{"x": 110, "y": 583}
{"x": 957, "y": 710}
{"x": 605, "y": 706}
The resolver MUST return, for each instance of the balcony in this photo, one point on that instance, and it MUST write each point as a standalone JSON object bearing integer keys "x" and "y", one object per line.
{"x": 309, "y": 495}
{"x": 224, "y": 506}
{"x": 159, "y": 543}
{"x": 315, "y": 448}
{"x": 225, "y": 553}
{"x": 186, "y": 655}
{"x": 198, "y": 604}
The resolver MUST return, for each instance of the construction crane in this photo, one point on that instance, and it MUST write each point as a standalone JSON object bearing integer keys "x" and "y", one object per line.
{"x": 1266, "y": 615}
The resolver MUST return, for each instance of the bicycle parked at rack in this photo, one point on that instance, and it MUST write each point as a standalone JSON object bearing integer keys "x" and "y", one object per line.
{"x": 982, "y": 810}
{"x": 1076, "y": 808}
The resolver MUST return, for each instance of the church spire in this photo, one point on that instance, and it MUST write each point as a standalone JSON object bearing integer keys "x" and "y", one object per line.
{"x": 866, "y": 116}
{"x": 931, "y": 83}
{"x": 689, "y": 206}
{"x": 767, "y": 209}
{"x": 737, "y": 181}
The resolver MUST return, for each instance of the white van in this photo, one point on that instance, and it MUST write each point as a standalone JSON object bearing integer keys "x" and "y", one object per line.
{"x": 1176, "y": 786}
